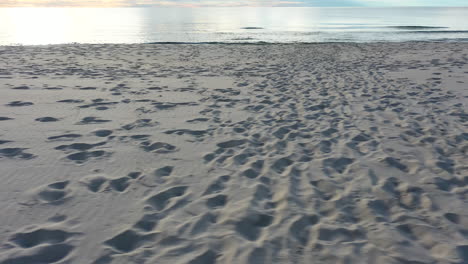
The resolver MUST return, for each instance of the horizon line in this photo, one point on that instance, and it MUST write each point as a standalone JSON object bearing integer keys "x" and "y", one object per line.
{"x": 241, "y": 6}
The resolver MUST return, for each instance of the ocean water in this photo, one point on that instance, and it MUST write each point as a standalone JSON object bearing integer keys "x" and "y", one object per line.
{"x": 36, "y": 26}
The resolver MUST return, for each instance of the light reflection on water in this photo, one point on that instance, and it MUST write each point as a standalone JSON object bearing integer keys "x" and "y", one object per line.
{"x": 142, "y": 25}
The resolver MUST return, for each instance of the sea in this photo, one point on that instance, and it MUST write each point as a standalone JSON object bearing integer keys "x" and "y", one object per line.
{"x": 39, "y": 26}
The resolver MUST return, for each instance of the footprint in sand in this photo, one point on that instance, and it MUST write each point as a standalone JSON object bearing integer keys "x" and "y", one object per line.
{"x": 47, "y": 119}
{"x": 338, "y": 164}
{"x": 70, "y": 136}
{"x": 140, "y": 123}
{"x": 162, "y": 199}
{"x": 98, "y": 183}
{"x": 299, "y": 229}
{"x": 218, "y": 185}
{"x": 5, "y": 141}
{"x": 32, "y": 238}
{"x": 71, "y": 101}
{"x": 19, "y": 103}
{"x": 85, "y": 151}
{"x": 92, "y": 120}
{"x": 102, "y": 132}
{"x": 13, "y": 153}
{"x": 22, "y": 87}
{"x": 250, "y": 227}
{"x": 158, "y": 147}
{"x": 55, "y": 193}
{"x": 41, "y": 244}
{"x": 128, "y": 240}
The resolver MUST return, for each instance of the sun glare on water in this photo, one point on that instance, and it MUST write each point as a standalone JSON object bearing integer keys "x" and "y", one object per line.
{"x": 37, "y": 26}
{"x": 33, "y": 27}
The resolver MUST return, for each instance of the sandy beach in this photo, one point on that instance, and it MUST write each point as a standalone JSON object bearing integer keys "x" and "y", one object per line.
{"x": 212, "y": 153}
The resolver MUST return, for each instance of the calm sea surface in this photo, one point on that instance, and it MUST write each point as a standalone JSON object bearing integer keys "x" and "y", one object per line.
{"x": 28, "y": 26}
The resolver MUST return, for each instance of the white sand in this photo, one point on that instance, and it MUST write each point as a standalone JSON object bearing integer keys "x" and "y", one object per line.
{"x": 200, "y": 154}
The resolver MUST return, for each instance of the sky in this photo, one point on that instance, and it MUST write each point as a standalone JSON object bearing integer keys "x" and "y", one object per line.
{"x": 201, "y": 3}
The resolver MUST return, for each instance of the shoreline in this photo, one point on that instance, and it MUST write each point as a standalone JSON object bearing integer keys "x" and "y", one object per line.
{"x": 445, "y": 41}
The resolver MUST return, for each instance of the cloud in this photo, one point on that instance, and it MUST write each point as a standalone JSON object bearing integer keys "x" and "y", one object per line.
{"x": 414, "y": 2}
{"x": 202, "y": 3}
{"x": 129, "y": 3}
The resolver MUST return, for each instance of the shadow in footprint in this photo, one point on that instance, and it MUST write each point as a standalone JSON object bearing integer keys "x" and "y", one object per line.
{"x": 92, "y": 120}
{"x": 40, "y": 236}
{"x": 158, "y": 147}
{"x": 393, "y": 162}
{"x": 47, "y": 119}
{"x": 84, "y": 156}
{"x": 94, "y": 183}
{"x": 164, "y": 171}
{"x": 64, "y": 137}
{"x": 160, "y": 200}
{"x": 208, "y": 257}
{"x": 15, "y": 153}
{"x": 338, "y": 164}
{"x": 19, "y": 103}
{"x": 232, "y": 143}
{"x": 43, "y": 254}
{"x": 217, "y": 201}
{"x": 128, "y": 241}
{"x": 120, "y": 184}
{"x": 300, "y": 228}
{"x": 54, "y": 193}
{"x": 102, "y": 132}
{"x": 218, "y": 185}
{"x": 250, "y": 226}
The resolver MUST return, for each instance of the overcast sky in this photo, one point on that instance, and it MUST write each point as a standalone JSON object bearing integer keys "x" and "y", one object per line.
{"x": 104, "y": 3}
